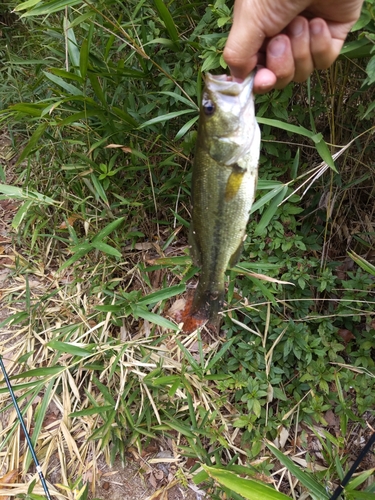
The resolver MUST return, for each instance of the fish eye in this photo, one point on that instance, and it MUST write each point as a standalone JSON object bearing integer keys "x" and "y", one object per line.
{"x": 208, "y": 107}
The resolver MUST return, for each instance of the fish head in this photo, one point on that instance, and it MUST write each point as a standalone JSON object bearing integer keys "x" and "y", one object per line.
{"x": 227, "y": 117}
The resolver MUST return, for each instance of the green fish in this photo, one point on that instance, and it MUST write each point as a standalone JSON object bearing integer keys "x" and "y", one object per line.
{"x": 224, "y": 181}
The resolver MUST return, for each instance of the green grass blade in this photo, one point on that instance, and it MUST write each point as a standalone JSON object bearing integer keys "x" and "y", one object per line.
{"x": 32, "y": 144}
{"x": 305, "y": 478}
{"x": 71, "y": 348}
{"x": 154, "y": 318}
{"x": 267, "y": 197}
{"x": 270, "y": 211}
{"x": 84, "y": 58}
{"x": 40, "y": 416}
{"x": 68, "y": 87}
{"x": 108, "y": 230}
{"x": 166, "y": 117}
{"x": 164, "y": 294}
{"x": 45, "y": 8}
{"x": 96, "y": 410}
{"x": 167, "y": 20}
{"x": 363, "y": 263}
{"x": 107, "y": 249}
{"x": 248, "y": 488}
{"x": 40, "y": 372}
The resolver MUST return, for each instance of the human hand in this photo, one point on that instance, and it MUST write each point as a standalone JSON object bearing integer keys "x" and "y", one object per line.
{"x": 287, "y": 38}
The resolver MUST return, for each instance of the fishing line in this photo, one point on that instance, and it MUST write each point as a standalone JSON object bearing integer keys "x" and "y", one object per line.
{"x": 353, "y": 468}
{"x": 23, "y": 426}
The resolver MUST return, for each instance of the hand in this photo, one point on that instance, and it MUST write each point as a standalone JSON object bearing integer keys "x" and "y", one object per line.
{"x": 289, "y": 38}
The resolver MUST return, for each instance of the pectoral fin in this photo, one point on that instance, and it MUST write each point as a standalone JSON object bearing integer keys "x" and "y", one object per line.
{"x": 234, "y": 182}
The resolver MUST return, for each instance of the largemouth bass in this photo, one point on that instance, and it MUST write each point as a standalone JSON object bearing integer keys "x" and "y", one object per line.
{"x": 224, "y": 181}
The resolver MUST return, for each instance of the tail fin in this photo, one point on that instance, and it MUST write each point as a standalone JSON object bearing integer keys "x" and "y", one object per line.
{"x": 207, "y": 303}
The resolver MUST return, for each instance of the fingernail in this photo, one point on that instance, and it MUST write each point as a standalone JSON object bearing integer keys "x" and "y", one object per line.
{"x": 297, "y": 27}
{"x": 277, "y": 47}
{"x": 315, "y": 28}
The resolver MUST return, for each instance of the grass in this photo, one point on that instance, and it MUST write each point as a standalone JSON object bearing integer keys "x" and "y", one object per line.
{"x": 101, "y": 104}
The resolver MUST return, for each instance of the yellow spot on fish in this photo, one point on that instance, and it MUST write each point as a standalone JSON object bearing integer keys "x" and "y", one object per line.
{"x": 233, "y": 185}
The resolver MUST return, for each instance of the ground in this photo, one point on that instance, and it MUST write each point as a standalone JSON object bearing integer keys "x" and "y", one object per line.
{"x": 143, "y": 476}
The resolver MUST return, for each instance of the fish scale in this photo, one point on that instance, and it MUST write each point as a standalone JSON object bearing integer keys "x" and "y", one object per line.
{"x": 224, "y": 181}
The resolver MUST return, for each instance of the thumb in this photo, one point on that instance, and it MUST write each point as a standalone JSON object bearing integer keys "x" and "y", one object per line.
{"x": 244, "y": 41}
{"x": 253, "y": 22}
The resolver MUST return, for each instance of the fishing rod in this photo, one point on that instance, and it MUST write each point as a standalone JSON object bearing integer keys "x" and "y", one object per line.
{"x": 23, "y": 426}
{"x": 353, "y": 468}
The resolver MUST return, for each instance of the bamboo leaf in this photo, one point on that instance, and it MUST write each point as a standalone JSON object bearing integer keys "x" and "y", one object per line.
{"x": 44, "y": 8}
{"x": 31, "y": 145}
{"x": 108, "y": 230}
{"x": 305, "y": 478}
{"x": 40, "y": 372}
{"x": 164, "y": 294}
{"x": 168, "y": 21}
{"x": 103, "y": 247}
{"x": 248, "y": 488}
{"x": 267, "y": 197}
{"x": 154, "y": 318}
{"x": 270, "y": 211}
{"x": 96, "y": 410}
{"x": 71, "y": 348}
{"x": 363, "y": 263}
{"x": 84, "y": 58}
{"x": 166, "y": 117}
{"x": 68, "y": 87}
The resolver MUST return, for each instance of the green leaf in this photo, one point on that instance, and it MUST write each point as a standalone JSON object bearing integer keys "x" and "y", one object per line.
{"x": 325, "y": 154}
{"x": 73, "y": 50}
{"x": 70, "y": 348}
{"x": 68, "y": 87}
{"x": 267, "y": 197}
{"x": 165, "y": 293}
{"x": 270, "y": 211}
{"x": 96, "y": 410}
{"x": 185, "y": 128}
{"x": 167, "y": 20}
{"x": 31, "y": 145}
{"x": 26, "y": 5}
{"x": 77, "y": 255}
{"x": 305, "y": 478}
{"x": 166, "y": 117}
{"x": 84, "y": 58}
{"x": 21, "y": 213}
{"x": 107, "y": 230}
{"x": 286, "y": 126}
{"x": 24, "y": 194}
{"x": 248, "y": 488}
{"x": 41, "y": 414}
{"x": 153, "y": 318}
{"x": 363, "y": 263}
{"x": 103, "y": 247}
{"x": 44, "y": 8}
{"x": 40, "y": 372}
{"x": 361, "y": 478}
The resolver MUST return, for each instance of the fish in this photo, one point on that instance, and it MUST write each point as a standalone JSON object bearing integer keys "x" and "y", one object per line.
{"x": 224, "y": 179}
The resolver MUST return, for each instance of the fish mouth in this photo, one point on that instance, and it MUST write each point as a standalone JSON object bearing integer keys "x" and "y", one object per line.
{"x": 225, "y": 85}
{"x": 230, "y": 94}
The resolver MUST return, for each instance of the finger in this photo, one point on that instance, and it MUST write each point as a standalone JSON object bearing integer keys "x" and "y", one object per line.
{"x": 324, "y": 48}
{"x": 299, "y": 35}
{"x": 280, "y": 60}
{"x": 244, "y": 40}
{"x": 264, "y": 81}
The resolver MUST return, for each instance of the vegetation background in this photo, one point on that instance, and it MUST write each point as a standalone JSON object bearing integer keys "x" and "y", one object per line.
{"x": 99, "y": 104}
